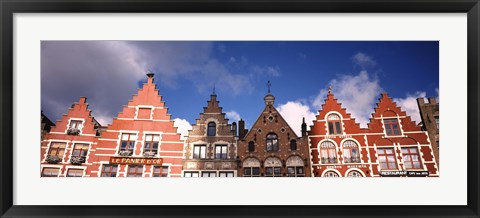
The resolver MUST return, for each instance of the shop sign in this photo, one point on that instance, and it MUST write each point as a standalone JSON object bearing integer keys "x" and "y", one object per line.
{"x": 136, "y": 160}
{"x": 417, "y": 173}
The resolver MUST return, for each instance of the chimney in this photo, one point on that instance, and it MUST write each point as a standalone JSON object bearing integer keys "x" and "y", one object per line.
{"x": 82, "y": 100}
{"x": 432, "y": 100}
{"x": 234, "y": 129}
{"x": 304, "y": 128}
{"x": 420, "y": 101}
{"x": 241, "y": 129}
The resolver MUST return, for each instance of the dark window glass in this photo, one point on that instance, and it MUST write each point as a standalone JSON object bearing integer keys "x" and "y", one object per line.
{"x": 128, "y": 142}
{"x": 151, "y": 143}
{"x": 211, "y": 129}
{"x": 251, "y": 146}
{"x": 293, "y": 145}
{"x": 109, "y": 170}
{"x": 391, "y": 126}
{"x": 272, "y": 142}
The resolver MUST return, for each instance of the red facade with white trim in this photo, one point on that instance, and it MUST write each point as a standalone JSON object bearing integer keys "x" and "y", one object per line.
{"x": 391, "y": 145}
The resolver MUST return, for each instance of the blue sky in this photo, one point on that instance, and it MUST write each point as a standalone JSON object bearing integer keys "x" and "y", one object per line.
{"x": 108, "y": 73}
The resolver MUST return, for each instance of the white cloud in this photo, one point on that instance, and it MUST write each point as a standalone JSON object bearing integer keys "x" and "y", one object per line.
{"x": 409, "y": 105}
{"x": 358, "y": 94}
{"x": 270, "y": 71}
{"x": 294, "y": 112}
{"x": 182, "y": 127}
{"x": 363, "y": 60}
{"x": 232, "y": 116}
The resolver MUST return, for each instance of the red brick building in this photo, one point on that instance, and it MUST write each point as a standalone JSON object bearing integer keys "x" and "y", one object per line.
{"x": 140, "y": 142}
{"x": 65, "y": 150}
{"x": 271, "y": 147}
{"x": 391, "y": 145}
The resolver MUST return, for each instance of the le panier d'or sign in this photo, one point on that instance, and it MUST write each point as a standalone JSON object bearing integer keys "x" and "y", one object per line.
{"x": 136, "y": 160}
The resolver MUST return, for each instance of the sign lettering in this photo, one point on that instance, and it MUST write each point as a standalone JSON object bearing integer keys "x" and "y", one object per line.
{"x": 136, "y": 160}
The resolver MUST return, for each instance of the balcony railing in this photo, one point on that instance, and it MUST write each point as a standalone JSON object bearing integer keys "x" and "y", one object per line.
{"x": 73, "y": 131}
{"x": 149, "y": 153}
{"x": 77, "y": 160}
{"x": 52, "y": 159}
{"x": 352, "y": 159}
{"x": 125, "y": 153}
{"x": 329, "y": 160}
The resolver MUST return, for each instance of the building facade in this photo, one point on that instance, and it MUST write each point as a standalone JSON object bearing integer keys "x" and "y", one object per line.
{"x": 211, "y": 145}
{"x": 140, "y": 142}
{"x": 430, "y": 114}
{"x": 271, "y": 148}
{"x": 391, "y": 145}
{"x": 65, "y": 150}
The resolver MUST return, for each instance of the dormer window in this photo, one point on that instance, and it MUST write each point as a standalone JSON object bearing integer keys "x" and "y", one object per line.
{"x": 272, "y": 142}
{"x": 212, "y": 129}
{"x": 391, "y": 126}
{"x": 74, "y": 127}
{"x": 334, "y": 124}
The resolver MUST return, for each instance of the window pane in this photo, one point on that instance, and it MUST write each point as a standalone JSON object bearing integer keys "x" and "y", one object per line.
{"x": 256, "y": 171}
{"x": 330, "y": 128}
{"x": 338, "y": 128}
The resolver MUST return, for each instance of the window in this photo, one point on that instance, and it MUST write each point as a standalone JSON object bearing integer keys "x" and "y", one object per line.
{"x": 75, "y": 173}
{"x": 386, "y": 158}
{"x": 212, "y": 129}
{"x": 109, "y": 170}
{"x": 79, "y": 153}
{"x": 350, "y": 152}
{"x": 50, "y": 172}
{"x": 226, "y": 174}
{"x": 273, "y": 171}
{"x": 334, "y": 124}
{"x": 391, "y": 126}
{"x": 144, "y": 113}
{"x": 57, "y": 149}
{"x": 295, "y": 167}
{"x": 251, "y": 171}
{"x": 221, "y": 151}
{"x": 272, "y": 142}
{"x": 209, "y": 174}
{"x": 128, "y": 142}
{"x": 160, "y": 171}
{"x": 251, "y": 146}
{"x": 437, "y": 121}
{"x": 190, "y": 174}
{"x": 328, "y": 153}
{"x": 151, "y": 144}
{"x": 411, "y": 158}
{"x": 135, "y": 171}
{"x": 331, "y": 174}
{"x": 75, "y": 124}
{"x": 297, "y": 171}
{"x": 354, "y": 173}
{"x": 293, "y": 145}
{"x": 199, "y": 151}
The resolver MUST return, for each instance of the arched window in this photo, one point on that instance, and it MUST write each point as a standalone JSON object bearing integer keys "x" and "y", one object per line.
{"x": 251, "y": 167}
{"x": 212, "y": 129}
{"x": 334, "y": 124}
{"x": 331, "y": 174}
{"x": 272, "y": 142}
{"x": 273, "y": 167}
{"x": 350, "y": 152}
{"x": 354, "y": 173}
{"x": 295, "y": 167}
{"x": 251, "y": 146}
{"x": 293, "y": 145}
{"x": 328, "y": 153}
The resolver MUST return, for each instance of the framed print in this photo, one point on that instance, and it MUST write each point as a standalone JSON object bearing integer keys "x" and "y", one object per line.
{"x": 249, "y": 90}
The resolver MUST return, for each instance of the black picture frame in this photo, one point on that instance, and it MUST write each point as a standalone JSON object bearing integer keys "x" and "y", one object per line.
{"x": 9, "y": 7}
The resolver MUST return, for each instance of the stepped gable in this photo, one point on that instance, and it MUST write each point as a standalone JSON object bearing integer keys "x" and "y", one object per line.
{"x": 79, "y": 110}
{"x": 213, "y": 112}
{"x": 332, "y": 104}
{"x": 385, "y": 108}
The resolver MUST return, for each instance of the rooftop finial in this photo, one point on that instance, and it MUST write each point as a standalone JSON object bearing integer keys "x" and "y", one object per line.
{"x": 150, "y": 74}
{"x": 214, "y": 88}
{"x": 329, "y": 89}
{"x": 268, "y": 85}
